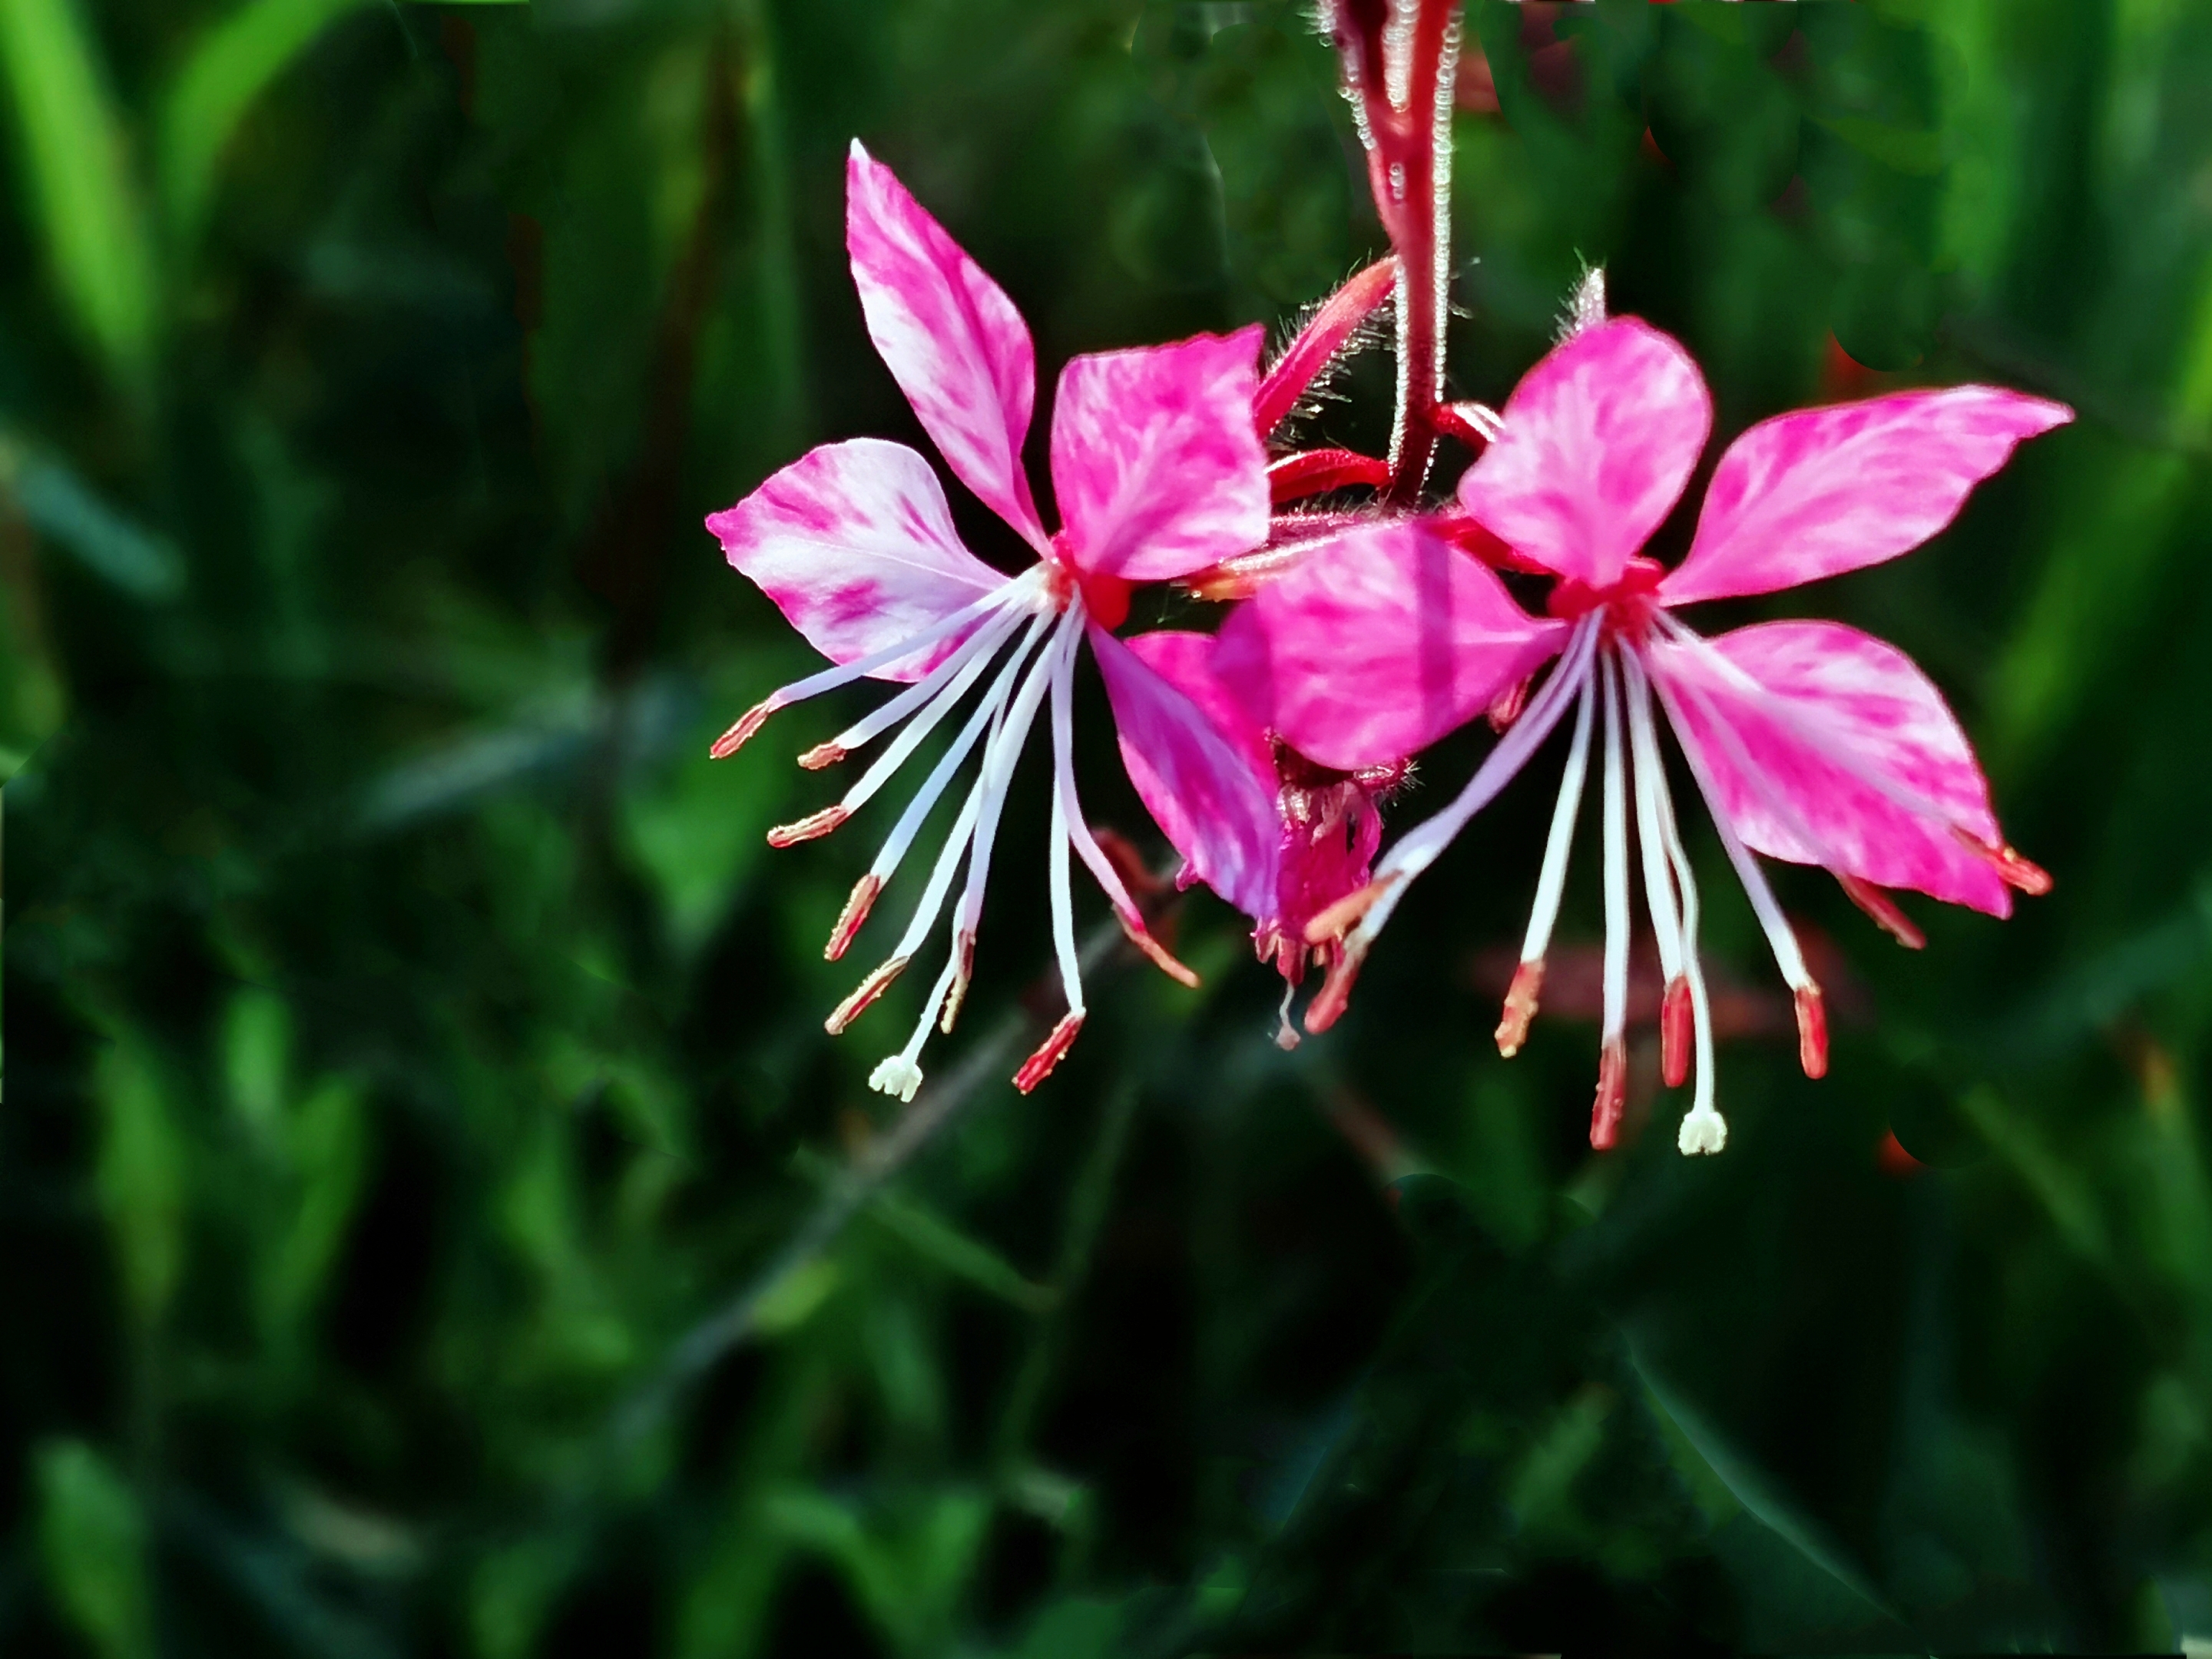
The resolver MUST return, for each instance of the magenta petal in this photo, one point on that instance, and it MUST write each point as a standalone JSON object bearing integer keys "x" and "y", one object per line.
{"x": 950, "y": 337}
{"x": 855, "y": 544}
{"x": 1824, "y": 490}
{"x": 1377, "y": 645}
{"x": 1154, "y": 459}
{"x": 1198, "y": 784}
{"x": 1599, "y": 438}
{"x": 1830, "y": 709}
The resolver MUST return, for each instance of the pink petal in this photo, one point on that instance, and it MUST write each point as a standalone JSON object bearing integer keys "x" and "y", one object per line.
{"x": 855, "y": 544}
{"x": 1830, "y": 709}
{"x": 1154, "y": 459}
{"x": 1184, "y": 660}
{"x": 1377, "y": 644}
{"x": 1824, "y": 490}
{"x": 1599, "y": 438}
{"x": 949, "y": 335}
{"x": 1197, "y": 783}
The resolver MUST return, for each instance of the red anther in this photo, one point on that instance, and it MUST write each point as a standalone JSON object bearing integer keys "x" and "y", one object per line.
{"x": 809, "y": 828}
{"x": 1677, "y": 1027}
{"x": 1507, "y": 707}
{"x": 1318, "y": 343}
{"x": 749, "y": 723}
{"x": 850, "y": 918}
{"x": 866, "y": 993}
{"x": 1342, "y": 916}
{"x": 1334, "y": 996}
{"x": 961, "y": 975}
{"x": 1139, "y": 935}
{"x": 1886, "y": 916}
{"x": 1038, "y": 1066}
{"x": 821, "y": 755}
{"x": 1106, "y": 598}
{"x": 1812, "y": 1032}
{"x": 2016, "y": 872}
{"x": 1520, "y": 1006}
{"x": 1611, "y": 1094}
{"x": 1316, "y": 471}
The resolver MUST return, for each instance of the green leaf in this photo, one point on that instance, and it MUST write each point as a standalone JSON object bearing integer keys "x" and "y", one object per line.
{"x": 141, "y": 1178}
{"x": 92, "y": 1537}
{"x": 77, "y": 171}
{"x": 228, "y": 69}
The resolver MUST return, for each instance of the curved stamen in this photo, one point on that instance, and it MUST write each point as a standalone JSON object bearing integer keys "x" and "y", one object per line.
{"x": 900, "y": 1073}
{"x": 942, "y": 687}
{"x": 1674, "y": 1009}
{"x": 1704, "y": 1129}
{"x": 1550, "y": 883}
{"x": 829, "y": 680}
{"x": 1613, "y": 1064}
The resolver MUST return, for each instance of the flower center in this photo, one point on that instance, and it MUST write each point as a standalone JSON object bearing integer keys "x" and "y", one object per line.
{"x": 1105, "y": 599}
{"x": 1627, "y": 602}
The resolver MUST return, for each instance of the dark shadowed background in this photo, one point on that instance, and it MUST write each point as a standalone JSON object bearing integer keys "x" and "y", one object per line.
{"x": 434, "y": 1218}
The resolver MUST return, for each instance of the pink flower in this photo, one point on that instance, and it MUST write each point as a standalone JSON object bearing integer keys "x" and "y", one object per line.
{"x": 1159, "y": 472}
{"x": 1810, "y": 741}
{"x": 1321, "y": 829}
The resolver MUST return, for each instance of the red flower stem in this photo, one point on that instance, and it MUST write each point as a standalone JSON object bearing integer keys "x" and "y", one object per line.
{"x": 1315, "y": 471}
{"x": 1408, "y": 147}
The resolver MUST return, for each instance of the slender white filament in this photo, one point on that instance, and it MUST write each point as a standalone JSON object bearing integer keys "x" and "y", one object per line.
{"x": 830, "y": 679}
{"x": 1617, "y": 924}
{"x": 1650, "y": 771}
{"x": 932, "y": 901}
{"x": 900, "y": 1073}
{"x": 935, "y": 694}
{"x": 1552, "y": 879}
{"x": 1419, "y": 849}
{"x": 918, "y": 810}
{"x": 1005, "y": 748}
{"x": 1703, "y": 1129}
{"x": 1063, "y": 782}
{"x": 1063, "y": 901}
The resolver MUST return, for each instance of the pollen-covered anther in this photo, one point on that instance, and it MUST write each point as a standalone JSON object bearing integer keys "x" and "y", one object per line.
{"x": 1678, "y": 1029}
{"x": 1611, "y": 1094}
{"x": 2023, "y": 875}
{"x": 1341, "y": 917}
{"x": 960, "y": 977}
{"x": 1886, "y": 915}
{"x": 1334, "y": 996}
{"x": 749, "y": 725}
{"x": 864, "y": 993}
{"x": 1141, "y": 937}
{"x": 1703, "y": 1131}
{"x": 821, "y": 755}
{"x": 1520, "y": 1006}
{"x": 1038, "y": 1066}
{"x": 810, "y": 827}
{"x": 895, "y": 1075}
{"x": 849, "y": 919}
{"x": 1812, "y": 1030}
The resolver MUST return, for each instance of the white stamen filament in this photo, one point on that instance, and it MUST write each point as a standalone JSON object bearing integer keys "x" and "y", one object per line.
{"x": 1781, "y": 938}
{"x": 1419, "y": 849}
{"x": 918, "y": 810}
{"x": 1078, "y": 829}
{"x": 1005, "y": 748}
{"x": 1703, "y": 1129}
{"x": 1617, "y": 924}
{"x": 830, "y": 679}
{"x": 940, "y": 874}
{"x": 1551, "y": 881}
{"x": 1650, "y": 775}
{"x": 1061, "y": 667}
{"x": 939, "y": 690}
{"x": 900, "y": 1073}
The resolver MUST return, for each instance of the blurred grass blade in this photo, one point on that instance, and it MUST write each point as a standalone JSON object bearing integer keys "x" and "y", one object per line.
{"x": 61, "y": 506}
{"x": 77, "y": 173}
{"x": 228, "y": 69}
{"x": 93, "y": 1538}
{"x": 142, "y": 1179}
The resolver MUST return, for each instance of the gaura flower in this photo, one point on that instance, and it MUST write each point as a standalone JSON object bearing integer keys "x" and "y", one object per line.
{"x": 1322, "y": 828}
{"x": 1159, "y": 472}
{"x": 1811, "y": 742}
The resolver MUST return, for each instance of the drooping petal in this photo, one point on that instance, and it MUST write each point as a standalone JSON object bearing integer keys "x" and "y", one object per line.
{"x": 1154, "y": 459}
{"x": 950, "y": 337}
{"x": 1827, "y": 747}
{"x": 1184, "y": 660}
{"x": 855, "y": 544}
{"x": 1599, "y": 440}
{"x": 1377, "y": 645}
{"x": 1198, "y": 784}
{"x": 1824, "y": 490}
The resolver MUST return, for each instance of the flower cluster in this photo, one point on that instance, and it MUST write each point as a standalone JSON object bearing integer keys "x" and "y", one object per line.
{"x": 1265, "y": 751}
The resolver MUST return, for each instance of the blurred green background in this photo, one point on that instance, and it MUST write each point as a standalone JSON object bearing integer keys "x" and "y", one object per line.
{"x": 434, "y": 1221}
